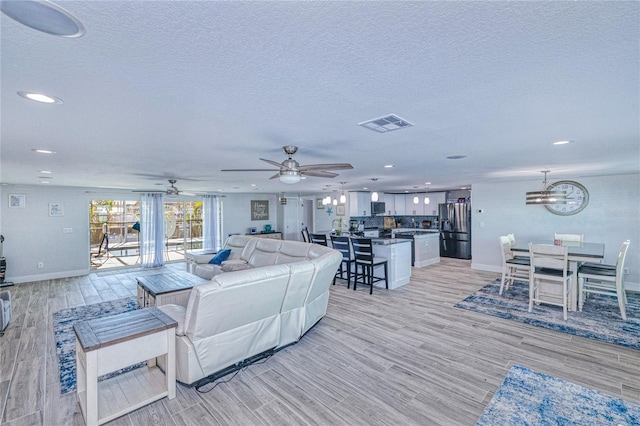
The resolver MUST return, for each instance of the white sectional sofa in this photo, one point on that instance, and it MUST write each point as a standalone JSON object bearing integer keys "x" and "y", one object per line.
{"x": 282, "y": 292}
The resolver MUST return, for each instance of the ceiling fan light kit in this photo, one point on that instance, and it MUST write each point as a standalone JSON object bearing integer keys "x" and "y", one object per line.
{"x": 290, "y": 171}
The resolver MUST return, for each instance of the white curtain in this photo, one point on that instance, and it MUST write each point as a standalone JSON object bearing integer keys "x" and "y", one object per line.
{"x": 152, "y": 230}
{"x": 210, "y": 223}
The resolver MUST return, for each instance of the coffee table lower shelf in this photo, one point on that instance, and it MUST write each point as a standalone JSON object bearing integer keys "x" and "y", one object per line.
{"x": 127, "y": 392}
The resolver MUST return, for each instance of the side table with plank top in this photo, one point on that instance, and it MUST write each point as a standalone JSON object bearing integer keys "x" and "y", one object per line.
{"x": 165, "y": 288}
{"x": 111, "y": 343}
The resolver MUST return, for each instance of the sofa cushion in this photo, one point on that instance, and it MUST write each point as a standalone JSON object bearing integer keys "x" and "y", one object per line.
{"x": 221, "y": 256}
{"x": 235, "y": 266}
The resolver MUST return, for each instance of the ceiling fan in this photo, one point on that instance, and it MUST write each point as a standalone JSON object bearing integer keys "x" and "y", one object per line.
{"x": 171, "y": 191}
{"x": 290, "y": 171}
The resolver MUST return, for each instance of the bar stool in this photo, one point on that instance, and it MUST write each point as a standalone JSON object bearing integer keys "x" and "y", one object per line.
{"x": 343, "y": 245}
{"x": 363, "y": 254}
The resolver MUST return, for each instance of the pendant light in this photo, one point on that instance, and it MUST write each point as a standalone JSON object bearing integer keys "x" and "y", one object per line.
{"x": 343, "y": 197}
{"x": 374, "y": 194}
{"x": 546, "y": 197}
{"x": 426, "y": 196}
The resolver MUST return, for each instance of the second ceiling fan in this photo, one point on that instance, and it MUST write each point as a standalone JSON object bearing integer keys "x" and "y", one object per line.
{"x": 290, "y": 171}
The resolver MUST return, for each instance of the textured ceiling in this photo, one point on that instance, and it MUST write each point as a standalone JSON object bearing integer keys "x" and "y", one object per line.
{"x": 183, "y": 89}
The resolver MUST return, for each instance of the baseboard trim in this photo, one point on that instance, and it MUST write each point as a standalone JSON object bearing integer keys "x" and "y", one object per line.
{"x": 51, "y": 276}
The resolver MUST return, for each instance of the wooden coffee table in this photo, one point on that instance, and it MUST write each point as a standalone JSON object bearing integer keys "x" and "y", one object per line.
{"x": 165, "y": 288}
{"x": 114, "y": 342}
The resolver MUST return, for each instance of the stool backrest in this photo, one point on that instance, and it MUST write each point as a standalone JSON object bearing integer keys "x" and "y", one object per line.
{"x": 343, "y": 245}
{"x": 319, "y": 239}
{"x": 362, "y": 249}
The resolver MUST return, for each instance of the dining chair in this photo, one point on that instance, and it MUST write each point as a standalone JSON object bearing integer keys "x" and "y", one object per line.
{"x": 574, "y": 238}
{"x": 343, "y": 245}
{"x": 305, "y": 235}
{"x": 512, "y": 242}
{"x": 513, "y": 268}
{"x": 598, "y": 278}
{"x": 363, "y": 254}
{"x": 549, "y": 265}
{"x": 319, "y": 239}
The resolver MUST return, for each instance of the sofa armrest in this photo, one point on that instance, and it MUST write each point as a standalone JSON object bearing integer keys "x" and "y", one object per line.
{"x": 177, "y": 313}
{"x": 202, "y": 258}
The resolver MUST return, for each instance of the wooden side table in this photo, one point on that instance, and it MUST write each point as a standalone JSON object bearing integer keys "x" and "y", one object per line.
{"x": 170, "y": 287}
{"x": 118, "y": 341}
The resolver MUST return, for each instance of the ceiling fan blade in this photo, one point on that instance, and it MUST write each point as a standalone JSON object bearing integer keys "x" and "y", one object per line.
{"x": 319, "y": 173}
{"x": 151, "y": 191}
{"x": 247, "y": 170}
{"x": 330, "y": 166}
{"x": 278, "y": 165}
{"x": 276, "y": 176}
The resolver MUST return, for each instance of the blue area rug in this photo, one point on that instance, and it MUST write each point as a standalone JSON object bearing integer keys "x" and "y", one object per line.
{"x": 527, "y": 397}
{"x": 599, "y": 320}
{"x": 66, "y": 338}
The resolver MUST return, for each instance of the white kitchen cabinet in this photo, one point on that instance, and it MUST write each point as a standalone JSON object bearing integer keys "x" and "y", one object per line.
{"x": 394, "y": 204}
{"x": 398, "y": 255}
{"x": 400, "y": 207}
{"x": 412, "y": 209}
{"x": 359, "y": 203}
{"x": 435, "y": 198}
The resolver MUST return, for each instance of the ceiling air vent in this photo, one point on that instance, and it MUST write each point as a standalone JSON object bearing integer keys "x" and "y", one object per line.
{"x": 386, "y": 124}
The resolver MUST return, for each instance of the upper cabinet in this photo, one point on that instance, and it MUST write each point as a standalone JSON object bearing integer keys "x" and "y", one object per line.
{"x": 415, "y": 209}
{"x": 359, "y": 204}
{"x": 435, "y": 198}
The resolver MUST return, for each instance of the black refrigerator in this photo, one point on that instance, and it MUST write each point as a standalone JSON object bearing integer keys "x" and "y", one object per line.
{"x": 455, "y": 230}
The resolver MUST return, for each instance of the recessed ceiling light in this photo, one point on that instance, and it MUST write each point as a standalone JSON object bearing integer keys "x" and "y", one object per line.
{"x": 389, "y": 166}
{"x": 44, "y": 16}
{"x": 42, "y": 151}
{"x": 46, "y": 172}
{"x": 40, "y": 97}
{"x": 561, "y": 142}
{"x": 456, "y": 157}
{"x": 253, "y": 184}
{"x": 427, "y": 183}
{"x": 45, "y": 181}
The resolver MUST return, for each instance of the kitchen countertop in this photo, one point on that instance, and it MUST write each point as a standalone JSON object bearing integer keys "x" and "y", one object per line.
{"x": 388, "y": 241}
{"x": 418, "y": 232}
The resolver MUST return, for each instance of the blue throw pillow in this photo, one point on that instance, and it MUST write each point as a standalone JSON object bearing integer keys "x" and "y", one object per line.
{"x": 220, "y": 257}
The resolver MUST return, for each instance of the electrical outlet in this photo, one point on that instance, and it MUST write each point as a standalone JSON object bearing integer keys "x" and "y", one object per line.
{"x": 626, "y": 271}
{"x": 40, "y": 265}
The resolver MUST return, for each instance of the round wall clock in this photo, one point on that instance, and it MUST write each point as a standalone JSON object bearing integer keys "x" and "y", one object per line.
{"x": 577, "y": 198}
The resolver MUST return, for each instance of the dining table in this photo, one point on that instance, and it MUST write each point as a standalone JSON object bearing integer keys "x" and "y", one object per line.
{"x": 577, "y": 252}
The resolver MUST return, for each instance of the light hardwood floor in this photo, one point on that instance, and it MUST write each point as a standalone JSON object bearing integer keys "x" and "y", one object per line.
{"x": 405, "y": 356}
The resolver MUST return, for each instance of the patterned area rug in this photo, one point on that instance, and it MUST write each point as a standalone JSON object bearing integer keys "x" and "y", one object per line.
{"x": 600, "y": 318}
{"x": 527, "y": 397}
{"x": 66, "y": 338}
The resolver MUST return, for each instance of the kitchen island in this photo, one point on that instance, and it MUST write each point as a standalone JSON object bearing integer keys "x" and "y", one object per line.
{"x": 426, "y": 245}
{"x": 398, "y": 255}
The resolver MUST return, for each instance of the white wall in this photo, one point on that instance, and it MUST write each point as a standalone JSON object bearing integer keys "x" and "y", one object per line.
{"x": 612, "y": 216}
{"x": 32, "y": 236}
{"x": 236, "y": 213}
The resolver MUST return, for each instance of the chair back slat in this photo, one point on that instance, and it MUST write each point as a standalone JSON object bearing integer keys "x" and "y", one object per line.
{"x": 343, "y": 245}
{"x": 549, "y": 256}
{"x": 319, "y": 239}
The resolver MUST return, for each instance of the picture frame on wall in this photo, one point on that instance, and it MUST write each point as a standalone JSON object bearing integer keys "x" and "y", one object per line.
{"x": 340, "y": 210}
{"x": 56, "y": 209}
{"x": 259, "y": 210}
{"x": 17, "y": 201}
{"x": 319, "y": 204}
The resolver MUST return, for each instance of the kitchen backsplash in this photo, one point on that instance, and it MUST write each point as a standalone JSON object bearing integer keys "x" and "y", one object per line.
{"x": 406, "y": 221}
